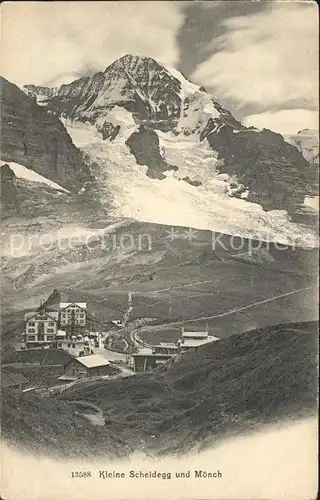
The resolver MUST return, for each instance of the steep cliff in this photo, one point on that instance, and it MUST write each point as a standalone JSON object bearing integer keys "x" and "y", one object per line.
{"x": 34, "y": 137}
{"x": 26, "y": 198}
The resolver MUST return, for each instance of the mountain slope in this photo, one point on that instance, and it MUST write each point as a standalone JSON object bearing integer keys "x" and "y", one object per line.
{"x": 147, "y": 125}
{"x": 235, "y": 386}
{"x": 36, "y": 424}
{"x": 25, "y": 193}
{"x": 222, "y": 389}
{"x": 35, "y": 138}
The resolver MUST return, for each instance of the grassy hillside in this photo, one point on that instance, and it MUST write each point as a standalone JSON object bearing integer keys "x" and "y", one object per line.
{"x": 44, "y": 357}
{"x": 54, "y": 427}
{"x": 228, "y": 387}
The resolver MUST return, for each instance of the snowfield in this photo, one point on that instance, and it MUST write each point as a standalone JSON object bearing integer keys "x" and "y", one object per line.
{"x": 175, "y": 202}
{"x": 312, "y": 202}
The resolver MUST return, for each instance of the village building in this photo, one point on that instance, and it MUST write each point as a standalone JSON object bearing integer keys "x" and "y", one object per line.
{"x": 41, "y": 328}
{"x": 191, "y": 340}
{"x": 66, "y": 327}
{"x": 73, "y": 317}
{"x": 88, "y": 366}
{"x": 147, "y": 359}
{"x": 76, "y": 345}
{"x": 165, "y": 348}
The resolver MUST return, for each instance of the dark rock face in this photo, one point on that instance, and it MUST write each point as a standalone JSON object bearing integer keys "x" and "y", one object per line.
{"x": 23, "y": 198}
{"x": 109, "y": 131}
{"x": 9, "y": 190}
{"x": 144, "y": 145}
{"x": 139, "y": 84}
{"x": 37, "y": 139}
{"x": 7, "y": 174}
{"x": 275, "y": 172}
{"x": 39, "y": 90}
{"x": 20, "y": 197}
{"x": 191, "y": 182}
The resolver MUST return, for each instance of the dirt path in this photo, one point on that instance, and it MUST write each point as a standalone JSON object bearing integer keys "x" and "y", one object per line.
{"x": 176, "y": 286}
{"x": 242, "y": 308}
{"x": 96, "y": 418}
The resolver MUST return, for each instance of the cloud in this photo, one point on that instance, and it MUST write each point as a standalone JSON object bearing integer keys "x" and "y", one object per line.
{"x": 286, "y": 121}
{"x": 268, "y": 59}
{"x": 42, "y": 40}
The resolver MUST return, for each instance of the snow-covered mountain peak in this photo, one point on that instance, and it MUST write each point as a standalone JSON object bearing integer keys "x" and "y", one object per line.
{"x": 152, "y": 93}
{"x": 168, "y": 138}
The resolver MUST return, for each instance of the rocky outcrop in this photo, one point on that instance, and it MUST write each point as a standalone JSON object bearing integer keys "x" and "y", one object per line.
{"x": 34, "y": 137}
{"x": 274, "y": 171}
{"x": 109, "y": 131}
{"x": 39, "y": 91}
{"x": 144, "y": 145}
{"x": 9, "y": 190}
{"x": 191, "y": 182}
{"x": 20, "y": 197}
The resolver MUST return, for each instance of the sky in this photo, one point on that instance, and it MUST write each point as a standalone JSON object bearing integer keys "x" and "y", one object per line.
{"x": 260, "y": 58}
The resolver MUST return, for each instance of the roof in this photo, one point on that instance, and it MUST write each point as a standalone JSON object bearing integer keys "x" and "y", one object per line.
{"x": 202, "y": 335}
{"x": 11, "y": 379}
{"x": 149, "y": 354}
{"x": 52, "y": 314}
{"x": 82, "y": 305}
{"x": 191, "y": 342}
{"x": 143, "y": 352}
{"x": 61, "y": 333}
{"x": 172, "y": 345}
{"x": 92, "y": 361}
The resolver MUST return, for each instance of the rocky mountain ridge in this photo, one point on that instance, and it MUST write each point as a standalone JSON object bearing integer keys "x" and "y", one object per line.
{"x": 275, "y": 174}
{"x": 143, "y": 142}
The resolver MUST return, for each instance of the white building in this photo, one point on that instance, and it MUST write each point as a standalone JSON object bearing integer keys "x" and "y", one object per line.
{"x": 76, "y": 345}
{"x": 73, "y": 315}
{"x": 41, "y": 328}
{"x": 190, "y": 340}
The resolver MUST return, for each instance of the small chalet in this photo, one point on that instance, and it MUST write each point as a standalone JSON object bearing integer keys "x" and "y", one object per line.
{"x": 147, "y": 359}
{"x": 190, "y": 340}
{"x": 88, "y": 366}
